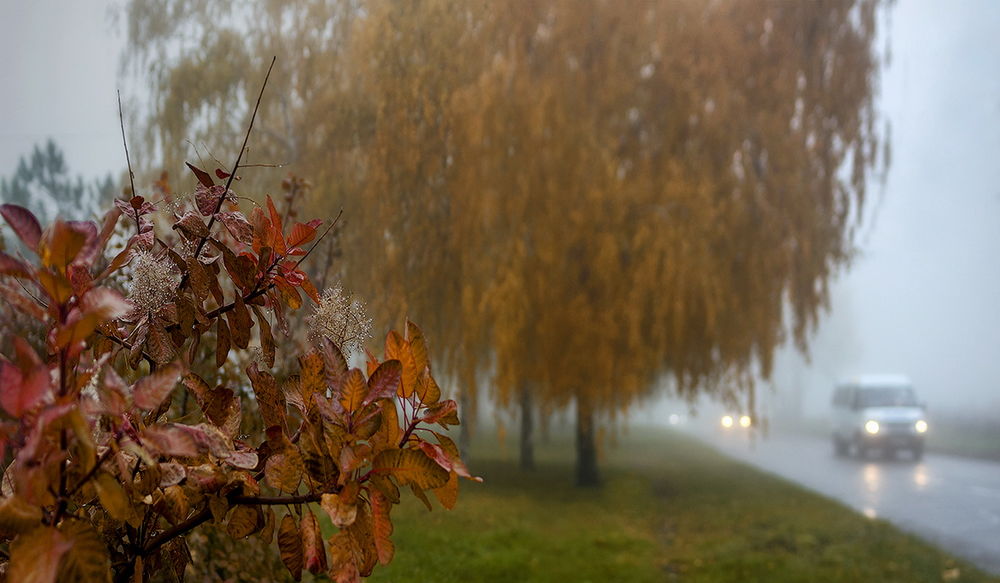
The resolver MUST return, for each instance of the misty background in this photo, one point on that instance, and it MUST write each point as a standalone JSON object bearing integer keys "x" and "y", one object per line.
{"x": 919, "y": 299}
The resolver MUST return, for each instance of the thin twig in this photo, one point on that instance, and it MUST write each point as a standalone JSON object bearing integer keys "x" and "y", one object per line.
{"x": 236, "y": 166}
{"x": 121, "y": 120}
{"x": 321, "y": 237}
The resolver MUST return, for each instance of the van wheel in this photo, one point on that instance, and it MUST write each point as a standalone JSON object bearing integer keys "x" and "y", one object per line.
{"x": 839, "y": 447}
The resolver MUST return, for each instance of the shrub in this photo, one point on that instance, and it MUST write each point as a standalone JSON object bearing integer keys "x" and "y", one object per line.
{"x": 107, "y": 468}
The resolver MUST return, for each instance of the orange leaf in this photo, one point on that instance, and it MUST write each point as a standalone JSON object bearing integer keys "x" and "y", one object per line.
{"x": 447, "y": 495}
{"x": 354, "y": 391}
{"x": 410, "y": 466}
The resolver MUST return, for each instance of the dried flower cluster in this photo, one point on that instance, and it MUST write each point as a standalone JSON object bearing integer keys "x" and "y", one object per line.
{"x": 154, "y": 282}
{"x": 341, "y": 319}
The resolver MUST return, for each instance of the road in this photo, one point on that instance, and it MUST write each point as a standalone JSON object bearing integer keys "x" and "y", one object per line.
{"x": 951, "y": 502}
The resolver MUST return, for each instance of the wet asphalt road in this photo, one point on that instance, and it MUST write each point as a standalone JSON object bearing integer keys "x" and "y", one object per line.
{"x": 951, "y": 502}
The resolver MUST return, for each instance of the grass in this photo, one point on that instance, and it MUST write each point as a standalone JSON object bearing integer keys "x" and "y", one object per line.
{"x": 670, "y": 509}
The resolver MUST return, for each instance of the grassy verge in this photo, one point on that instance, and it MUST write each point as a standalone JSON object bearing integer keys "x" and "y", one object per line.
{"x": 671, "y": 509}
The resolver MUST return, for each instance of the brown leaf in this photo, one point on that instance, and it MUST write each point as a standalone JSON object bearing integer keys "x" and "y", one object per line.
{"x": 284, "y": 470}
{"x": 18, "y": 516}
{"x": 200, "y": 279}
{"x": 222, "y": 341}
{"x": 267, "y": 346}
{"x": 159, "y": 344}
{"x": 240, "y": 323}
{"x": 382, "y": 527}
{"x": 34, "y": 557}
{"x": 267, "y": 532}
{"x": 290, "y": 546}
{"x": 87, "y": 559}
{"x": 270, "y": 400}
{"x": 244, "y": 521}
{"x": 151, "y": 390}
{"x": 176, "y": 503}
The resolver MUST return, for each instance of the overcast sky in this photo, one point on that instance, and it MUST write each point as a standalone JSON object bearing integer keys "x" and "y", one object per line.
{"x": 924, "y": 297}
{"x": 921, "y": 300}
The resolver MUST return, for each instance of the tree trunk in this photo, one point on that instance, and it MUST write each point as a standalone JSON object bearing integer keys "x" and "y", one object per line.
{"x": 586, "y": 445}
{"x": 527, "y": 430}
{"x": 468, "y": 407}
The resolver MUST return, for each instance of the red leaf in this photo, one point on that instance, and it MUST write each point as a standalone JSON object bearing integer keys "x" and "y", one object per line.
{"x": 445, "y": 412}
{"x": 105, "y": 303}
{"x": 191, "y": 226}
{"x": 24, "y": 224}
{"x": 313, "y": 544}
{"x": 203, "y": 177}
{"x": 11, "y": 266}
{"x": 207, "y": 199}
{"x": 21, "y": 392}
{"x": 434, "y": 451}
{"x": 222, "y": 174}
{"x": 277, "y": 241}
{"x": 238, "y": 225}
{"x": 169, "y": 440}
{"x": 384, "y": 382}
{"x": 151, "y": 390}
{"x": 301, "y": 234}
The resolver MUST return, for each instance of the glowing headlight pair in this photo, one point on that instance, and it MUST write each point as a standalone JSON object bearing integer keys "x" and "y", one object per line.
{"x": 728, "y": 421}
{"x": 872, "y": 426}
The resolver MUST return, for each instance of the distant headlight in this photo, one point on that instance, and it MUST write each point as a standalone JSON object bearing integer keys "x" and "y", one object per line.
{"x": 871, "y": 426}
{"x": 727, "y": 421}
{"x": 744, "y": 421}
{"x": 920, "y": 426}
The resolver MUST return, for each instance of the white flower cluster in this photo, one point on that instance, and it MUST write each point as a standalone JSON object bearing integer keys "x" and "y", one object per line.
{"x": 341, "y": 319}
{"x": 154, "y": 282}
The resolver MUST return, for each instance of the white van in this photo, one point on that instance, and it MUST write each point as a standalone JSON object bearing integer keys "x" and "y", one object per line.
{"x": 878, "y": 412}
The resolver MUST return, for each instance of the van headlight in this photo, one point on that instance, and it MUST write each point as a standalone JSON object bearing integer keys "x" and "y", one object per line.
{"x": 745, "y": 421}
{"x": 727, "y": 421}
{"x": 920, "y": 426}
{"x": 871, "y": 426}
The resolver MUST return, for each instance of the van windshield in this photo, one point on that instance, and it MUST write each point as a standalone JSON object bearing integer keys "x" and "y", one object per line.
{"x": 887, "y": 397}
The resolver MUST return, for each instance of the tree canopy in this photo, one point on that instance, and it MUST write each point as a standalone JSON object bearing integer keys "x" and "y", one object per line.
{"x": 591, "y": 195}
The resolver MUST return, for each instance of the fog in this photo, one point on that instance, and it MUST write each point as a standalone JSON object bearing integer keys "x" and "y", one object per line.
{"x": 920, "y": 299}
